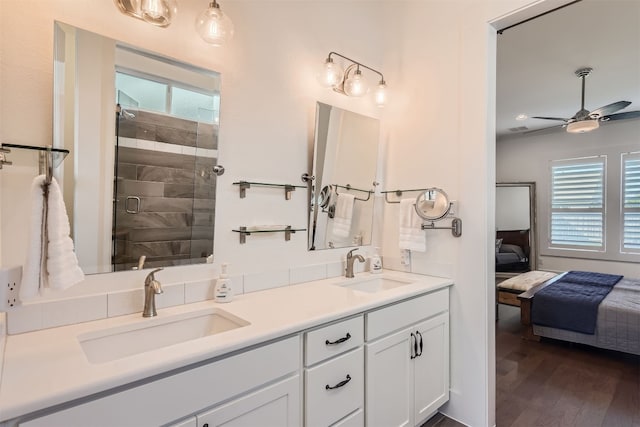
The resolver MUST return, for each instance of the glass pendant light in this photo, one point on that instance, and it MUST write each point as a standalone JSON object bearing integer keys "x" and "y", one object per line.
{"x": 356, "y": 85}
{"x": 330, "y": 74}
{"x": 380, "y": 95}
{"x": 214, "y": 26}
{"x": 158, "y": 12}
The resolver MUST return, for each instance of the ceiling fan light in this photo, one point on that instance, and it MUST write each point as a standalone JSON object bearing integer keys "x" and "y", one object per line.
{"x": 583, "y": 126}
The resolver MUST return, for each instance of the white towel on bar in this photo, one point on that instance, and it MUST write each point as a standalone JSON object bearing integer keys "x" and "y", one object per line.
{"x": 51, "y": 263}
{"x": 343, "y": 215}
{"x": 32, "y": 280}
{"x": 412, "y": 236}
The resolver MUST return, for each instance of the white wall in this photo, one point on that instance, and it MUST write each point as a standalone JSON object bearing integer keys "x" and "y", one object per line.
{"x": 438, "y": 58}
{"x": 267, "y": 109}
{"x": 527, "y": 159}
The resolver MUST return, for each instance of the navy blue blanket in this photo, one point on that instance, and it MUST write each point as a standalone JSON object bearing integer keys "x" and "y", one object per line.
{"x": 572, "y": 302}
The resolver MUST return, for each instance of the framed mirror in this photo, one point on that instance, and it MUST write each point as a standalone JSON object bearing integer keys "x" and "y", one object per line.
{"x": 516, "y": 244}
{"x": 344, "y": 165}
{"x": 143, "y": 133}
{"x": 432, "y": 204}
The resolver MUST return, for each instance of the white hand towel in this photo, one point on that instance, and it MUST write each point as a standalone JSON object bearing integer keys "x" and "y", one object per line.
{"x": 32, "y": 279}
{"x": 412, "y": 236}
{"x": 60, "y": 270}
{"x": 343, "y": 215}
{"x": 62, "y": 263}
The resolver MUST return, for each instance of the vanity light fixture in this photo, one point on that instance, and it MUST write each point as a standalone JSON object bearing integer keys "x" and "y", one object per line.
{"x": 350, "y": 82}
{"x": 213, "y": 25}
{"x": 156, "y": 12}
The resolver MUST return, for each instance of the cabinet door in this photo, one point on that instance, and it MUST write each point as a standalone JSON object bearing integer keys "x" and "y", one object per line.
{"x": 431, "y": 367}
{"x": 275, "y": 405}
{"x": 388, "y": 397}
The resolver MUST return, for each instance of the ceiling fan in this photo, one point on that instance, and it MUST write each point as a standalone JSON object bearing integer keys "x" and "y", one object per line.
{"x": 585, "y": 120}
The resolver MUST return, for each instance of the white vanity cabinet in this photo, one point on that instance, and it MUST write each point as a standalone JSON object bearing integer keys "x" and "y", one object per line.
{"x": 265, "y": 382}
{"x": 274, "y": 405}
{"x": 334, "y": 374}
{"x": 407, "y": 361}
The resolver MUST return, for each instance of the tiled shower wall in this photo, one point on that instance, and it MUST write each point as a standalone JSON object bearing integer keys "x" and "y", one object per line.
{"x": 175, "y": 220}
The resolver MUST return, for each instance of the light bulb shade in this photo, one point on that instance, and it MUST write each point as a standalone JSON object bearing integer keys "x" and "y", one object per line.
{"x": 380, "y": 95}
{"x": 583, "y": 126}
{"x": 330, "y": 75}
{"x": 214, "y": 26}
{"x": 158, "y": 12}
{"x": 356, "y": 85}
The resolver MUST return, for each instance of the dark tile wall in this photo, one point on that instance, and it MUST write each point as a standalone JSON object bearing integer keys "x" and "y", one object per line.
{"x": 175, "y": 220}
{"x": 172, "y": 130}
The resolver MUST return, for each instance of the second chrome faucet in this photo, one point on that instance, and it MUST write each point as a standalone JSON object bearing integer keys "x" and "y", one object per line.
{"x": 350, "y": 260}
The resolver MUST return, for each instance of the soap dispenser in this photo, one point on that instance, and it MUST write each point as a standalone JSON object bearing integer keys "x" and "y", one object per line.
{"x": 223, "y": 291}
{"x": 376, "y": 262}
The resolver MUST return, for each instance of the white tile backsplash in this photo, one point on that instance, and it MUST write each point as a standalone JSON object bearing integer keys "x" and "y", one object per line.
{"x": 307, "y": 273}
{"x": 265, "y": 280}
{"x": 201, "y": 290}
{"x": 25, "y": 318}
{"x": 335, "y": 269}
{"x": 125, "y": 302}
{"x": 53, "y": 311}
{"x": 77, "y": 310}
{"x": 171, "y": 295}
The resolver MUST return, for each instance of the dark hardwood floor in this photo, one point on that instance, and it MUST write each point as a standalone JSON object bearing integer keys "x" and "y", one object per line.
{"x": 553, "y": 383}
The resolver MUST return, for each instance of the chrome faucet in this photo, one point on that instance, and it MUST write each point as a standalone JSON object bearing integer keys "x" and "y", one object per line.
{"x": 151, "y": 288}
{"x": 350, "y": 260}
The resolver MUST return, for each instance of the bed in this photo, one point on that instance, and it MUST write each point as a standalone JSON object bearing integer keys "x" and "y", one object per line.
{"x": 617, "y": 317}
{"x": 513, "y": 249}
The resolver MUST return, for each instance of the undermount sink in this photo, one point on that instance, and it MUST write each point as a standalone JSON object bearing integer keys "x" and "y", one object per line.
{"x": 145, "y": 335}
{"x": 373, "y": 285}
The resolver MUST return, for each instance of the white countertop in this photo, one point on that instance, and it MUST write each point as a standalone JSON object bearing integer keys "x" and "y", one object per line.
{"x": 49, "y": 367}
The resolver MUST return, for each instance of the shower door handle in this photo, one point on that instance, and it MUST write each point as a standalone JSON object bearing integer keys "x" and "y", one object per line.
{"x": 136, "y": 199}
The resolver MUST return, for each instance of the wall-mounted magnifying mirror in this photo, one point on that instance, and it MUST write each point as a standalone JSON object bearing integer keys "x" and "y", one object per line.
{"x": 432, "y": 204}
{"x": 143, "y": 130}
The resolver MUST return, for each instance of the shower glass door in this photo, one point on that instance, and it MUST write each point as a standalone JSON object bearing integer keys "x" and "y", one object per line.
{"x": 124, "y": 204}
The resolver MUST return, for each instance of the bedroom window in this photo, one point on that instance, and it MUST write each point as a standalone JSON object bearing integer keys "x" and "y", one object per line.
{"x": 631, "y": 202}
{"x": 577, "y": 204}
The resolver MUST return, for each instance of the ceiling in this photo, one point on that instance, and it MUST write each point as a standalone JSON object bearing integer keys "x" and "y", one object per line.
{"x": 537, "y": 60}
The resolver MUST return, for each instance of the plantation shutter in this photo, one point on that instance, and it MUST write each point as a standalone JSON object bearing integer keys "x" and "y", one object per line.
{"x": 577, "y": 203}
{"x": 631, "y": 202}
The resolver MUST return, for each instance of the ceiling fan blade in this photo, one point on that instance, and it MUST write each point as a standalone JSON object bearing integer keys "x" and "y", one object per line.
{"x": 551, "y": 118}
{"x": 622, "y": 116}
{"x": 544, "y": 129}
{"x": 608, "y": 109}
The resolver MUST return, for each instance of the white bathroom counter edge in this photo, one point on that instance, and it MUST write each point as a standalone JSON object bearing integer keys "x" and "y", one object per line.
{"x": 48, "y": 367}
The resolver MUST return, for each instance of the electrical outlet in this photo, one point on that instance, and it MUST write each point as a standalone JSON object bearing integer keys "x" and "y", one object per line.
{"x": 405, "y": 257}
{"x": 10, "y": 279}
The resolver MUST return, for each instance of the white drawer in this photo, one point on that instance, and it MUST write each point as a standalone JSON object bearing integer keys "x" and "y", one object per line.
{"x": 354, "y": 420}
{"x": 397, "y": 316}
{"x": 334, "y": 389}
{"x": 333, "y": 339}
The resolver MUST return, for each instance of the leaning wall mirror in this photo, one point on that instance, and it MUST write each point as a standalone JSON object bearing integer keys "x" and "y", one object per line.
{"x": 143, "y": 133}
{"x": 516, "y": 244}
{"x": 344, "y": 166}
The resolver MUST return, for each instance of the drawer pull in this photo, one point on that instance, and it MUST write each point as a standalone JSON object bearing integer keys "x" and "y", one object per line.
{"x": 339, "y": 341}
{"x": 414, "y": 346}
{"x": 420, "y": 335}
{"x": 340, "y": 384}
